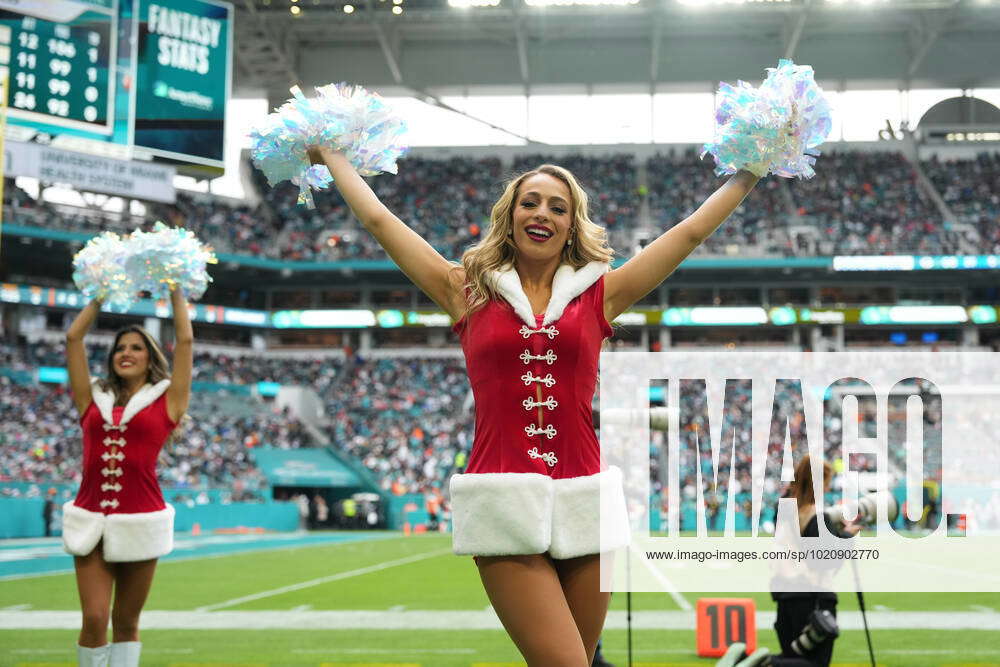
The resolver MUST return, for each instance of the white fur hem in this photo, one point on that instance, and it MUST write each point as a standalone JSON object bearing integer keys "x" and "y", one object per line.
{"x": 589, "y": 515}
{"x": 127, "y": 537}
{"x": 81, "y": 529}
{"x": 505, "y": 514}
{"x": 501, "y": 514}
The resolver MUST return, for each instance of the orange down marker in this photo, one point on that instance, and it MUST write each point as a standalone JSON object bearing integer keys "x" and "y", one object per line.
{"x": 720, "y": 622}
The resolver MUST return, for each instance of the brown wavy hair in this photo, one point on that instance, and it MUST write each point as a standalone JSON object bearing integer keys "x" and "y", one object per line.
{"x": 802, "y": 488}
{"x": 497, "y": 249}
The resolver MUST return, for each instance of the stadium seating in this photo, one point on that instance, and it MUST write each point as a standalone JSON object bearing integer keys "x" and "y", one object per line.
{"x": 859, "y": 203}
{"x": 680, "y": 181}
{"x": 971, "y": 189}
{"x": 868, "y": 203}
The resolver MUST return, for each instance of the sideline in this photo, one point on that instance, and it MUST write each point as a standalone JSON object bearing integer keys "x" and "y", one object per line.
{"x": 467, "y": 620}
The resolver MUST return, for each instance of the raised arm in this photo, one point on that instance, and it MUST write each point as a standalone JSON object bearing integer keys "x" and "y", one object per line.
{"x": 179, "y": 391}
{"x": 76, "y": 355}
{"x": 428, "y": 270}
{"x": 640, "y": 275}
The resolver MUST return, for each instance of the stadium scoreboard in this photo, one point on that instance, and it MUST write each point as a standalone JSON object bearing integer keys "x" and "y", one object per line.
{"x": 129, "y": 78}
{"x": 58, "y": 73}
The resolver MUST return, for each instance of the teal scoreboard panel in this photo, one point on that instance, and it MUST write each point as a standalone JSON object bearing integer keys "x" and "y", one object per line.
{"x": 59, "y": 65}
{"x": 147, "y": 79}
{"x": 182, "y": 78}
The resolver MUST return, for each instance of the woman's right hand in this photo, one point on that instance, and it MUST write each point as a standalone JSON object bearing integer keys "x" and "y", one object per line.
{"x": 315, "y": 154}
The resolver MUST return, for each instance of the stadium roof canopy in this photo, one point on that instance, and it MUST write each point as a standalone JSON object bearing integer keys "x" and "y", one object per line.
{"x": 432, "y": 49}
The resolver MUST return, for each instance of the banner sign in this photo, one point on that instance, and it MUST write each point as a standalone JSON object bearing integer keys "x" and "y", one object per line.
{"x": 92, "y": 173}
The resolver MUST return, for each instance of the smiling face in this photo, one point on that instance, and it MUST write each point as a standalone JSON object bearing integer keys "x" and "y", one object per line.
{"x": 542, "y": 217}
{"x": 130, "y": 357}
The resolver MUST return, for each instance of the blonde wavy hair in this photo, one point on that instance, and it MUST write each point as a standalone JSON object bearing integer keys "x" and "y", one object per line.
{"x": 497, "y": 249}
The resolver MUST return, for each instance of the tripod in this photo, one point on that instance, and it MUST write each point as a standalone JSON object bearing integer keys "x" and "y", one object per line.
{"x": 861, "y": 606}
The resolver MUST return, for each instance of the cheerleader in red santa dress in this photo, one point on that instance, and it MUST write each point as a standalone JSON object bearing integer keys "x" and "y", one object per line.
{"x": 532, "y": 302}
{"x": 119, "y": 525}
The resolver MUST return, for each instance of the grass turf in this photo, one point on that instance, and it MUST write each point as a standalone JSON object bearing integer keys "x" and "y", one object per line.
{"x": 432, "y": 579}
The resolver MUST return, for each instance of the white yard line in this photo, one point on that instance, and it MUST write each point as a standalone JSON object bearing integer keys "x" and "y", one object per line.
{"x": 667, "y": 586}
{"x": 362, "y": 651}
{"x": 457, "y": 620}
{"x": 181, "y": 559}
{"x": 179, "y": 546}
{"x": 55, "y": 651}
{"x": 975, "y": 575}
{"x": 325, "y": 580}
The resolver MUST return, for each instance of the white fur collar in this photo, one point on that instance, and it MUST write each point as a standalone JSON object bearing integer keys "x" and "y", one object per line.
{"x": 567, "y": 284}
{"x": 105, "y": 400}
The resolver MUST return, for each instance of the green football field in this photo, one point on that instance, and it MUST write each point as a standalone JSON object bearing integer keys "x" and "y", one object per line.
{"x": 408, "y": 601}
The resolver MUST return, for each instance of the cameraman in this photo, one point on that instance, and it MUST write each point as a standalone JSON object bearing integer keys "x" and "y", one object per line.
{"x": 801, "y": 593}
{"x": 795, "y": 608}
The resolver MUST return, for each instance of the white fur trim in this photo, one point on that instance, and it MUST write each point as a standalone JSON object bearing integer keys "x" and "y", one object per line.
{"x": 589, "y": 515}
{"x": 508, "y": 283}
{"x": 141, "y": 536}
{"x": 504, "y": 514}
{"x": 567, "y": 284}
{"x": 81, "y": 529}
{"x": 127, "y": 537}
{"x": 501, "y": 514}
{"x": 105, "y": 400}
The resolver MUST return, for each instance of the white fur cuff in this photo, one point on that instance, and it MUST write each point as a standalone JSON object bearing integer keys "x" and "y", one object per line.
{"x": 81, "y": 529}
{"x": 501, "y": 514}
{"x": 130, "y": 537}
{"x": 127, "y": 537}
{"x": 589, "y": 515}
{"x": 505, "y": 514}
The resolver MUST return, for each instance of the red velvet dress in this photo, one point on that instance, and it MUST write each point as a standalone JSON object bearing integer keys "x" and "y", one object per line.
{"x": 516, "y": 431}
{"x": 119, "y": 462}
{"x": 120, "y": 504}
{"x": 534, "y": 483}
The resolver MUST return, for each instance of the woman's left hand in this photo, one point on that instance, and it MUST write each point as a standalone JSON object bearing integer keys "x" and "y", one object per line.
{"x": 852, "y": 529}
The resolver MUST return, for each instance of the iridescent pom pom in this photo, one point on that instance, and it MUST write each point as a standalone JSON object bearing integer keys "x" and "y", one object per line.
{"x": 345, "y": 118}
{"x": 772, "y": 129}
{"x": 168, "y": 257}
{"x": 99, "y": 271}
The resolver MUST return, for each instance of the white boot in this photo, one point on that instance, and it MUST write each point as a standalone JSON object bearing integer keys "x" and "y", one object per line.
{"x": 92, "y": 657}
{"x": 125, "y": 654}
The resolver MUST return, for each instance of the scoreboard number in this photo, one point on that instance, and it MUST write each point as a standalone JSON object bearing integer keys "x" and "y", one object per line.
{"x": 61, "y": 73}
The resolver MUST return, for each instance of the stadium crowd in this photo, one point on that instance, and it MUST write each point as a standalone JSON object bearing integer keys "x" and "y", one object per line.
{"x": 858, "y": 203}
{"x": 404, "y": 419}
{"x": 971, "y": 189}
{"x": 679, "y": 181}
{"x": 870, "y": 203}
{"x": 408, "y": 420}
{"x": 40, "y": 441}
